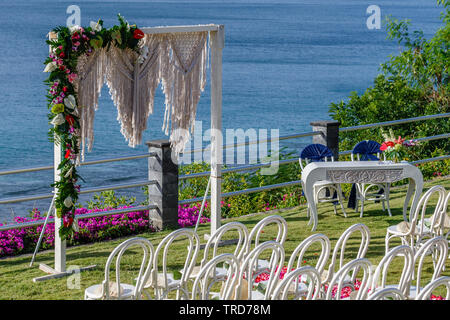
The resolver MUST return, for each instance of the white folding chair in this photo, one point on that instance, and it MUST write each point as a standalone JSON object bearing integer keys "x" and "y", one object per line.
{"x": 437, "y": 248}
{"x": 381, "y": 273}
{"x": 257, "y": 231}
{"x": 416, "y": 230}
{"x": 117, "y": 290}
{"x": 249, "y": 271}
{"x": 160, "y": 280}
{"x": 295, "y": 278}
{"x": 302, "y": 248}
{"x": 426, "y": 293}
{"x": 445, "y": 219}
{"x": 350, "y": 270}
{"x": 340, "y": 247}
{"x": 387, "y": 294}
{"x": 206, "y": 278}
{"x": 213, "y": 243}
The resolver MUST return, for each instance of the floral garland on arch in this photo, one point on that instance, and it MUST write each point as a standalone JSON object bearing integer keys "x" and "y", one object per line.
{"x": 69, "y": 44}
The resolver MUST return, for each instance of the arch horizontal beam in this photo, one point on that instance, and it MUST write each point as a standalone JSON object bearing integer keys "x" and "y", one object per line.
{"x": 180, "y": 29}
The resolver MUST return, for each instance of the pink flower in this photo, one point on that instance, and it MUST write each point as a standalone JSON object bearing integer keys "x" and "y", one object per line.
{"x": 71, "y": 77}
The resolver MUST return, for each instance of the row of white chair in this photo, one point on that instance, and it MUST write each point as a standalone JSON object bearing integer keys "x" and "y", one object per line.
{"x": 238, "y": 279}
{"x": 421, "y": 225}
{"x": 156, "y": 282}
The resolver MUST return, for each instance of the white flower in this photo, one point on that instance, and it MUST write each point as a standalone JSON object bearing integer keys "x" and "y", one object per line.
{"x": 59, "y": 119}
{"x": 50, "y": 66}
{"x": 68, "y": 202}
{"x": 95, "y": 26}
{"x": 74, "y": 28}
{"x": 69, "y": 173}
{"x": 144, "y": 54}
{"x": 75, "y": 226}
{"x": 70, "y": 102}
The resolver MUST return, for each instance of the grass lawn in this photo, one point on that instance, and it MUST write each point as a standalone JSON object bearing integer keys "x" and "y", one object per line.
{"x": 16, "y": 275}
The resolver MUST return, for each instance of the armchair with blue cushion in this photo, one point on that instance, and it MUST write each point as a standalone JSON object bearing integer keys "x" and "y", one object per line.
{"x": 324, "y": 191}
{"x": 368, "y": 150}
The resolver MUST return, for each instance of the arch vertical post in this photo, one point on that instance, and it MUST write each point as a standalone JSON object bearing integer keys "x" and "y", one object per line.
{"x": 60, "y": 245}
{"x": 59, "y": 269}
{"x": 217, "y": 42}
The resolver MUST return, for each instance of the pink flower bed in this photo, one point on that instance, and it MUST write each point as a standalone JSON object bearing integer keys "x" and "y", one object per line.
{"x": 23, "y": 240}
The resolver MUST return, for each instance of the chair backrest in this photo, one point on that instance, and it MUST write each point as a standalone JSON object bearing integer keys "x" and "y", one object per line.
{"x": 256, "y": 232}
{"x": 340, "y": 246}
{"x": 303, "y": 247}
{"x": 214, "y": 241}
{"x": 117, "y": 253}
{"x": 387, "y": 294}
{"x": 291, "y": 281}
{"x": 445, "y": 218}
{"x": 206, "y": 278}
{"x": 426, "y": 292}
{"x": 417, "y": 220}
{"x": 438, "y": 247}
{"x": 339, "y": 280}
{"x": 382, "y": 271}
{"x": 249, "y": 268}
{"x": 191, "y": 256}
{"x": 366, "y": 150}
{"x": 315, "y": 152}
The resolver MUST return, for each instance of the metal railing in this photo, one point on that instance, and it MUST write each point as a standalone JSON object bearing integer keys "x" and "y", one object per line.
{"x": 294, "y": 160}
{"x": 207, "y": 173}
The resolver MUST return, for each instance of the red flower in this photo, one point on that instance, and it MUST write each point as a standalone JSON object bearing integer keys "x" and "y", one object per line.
{"x": 138, "y": 34}
{"x": 64, "y": 89}
{"x": 67, "y": 154}
{"x": 386, "y": 144}
{"x": 70, "y": 120}
{"x": 67, "y": 223}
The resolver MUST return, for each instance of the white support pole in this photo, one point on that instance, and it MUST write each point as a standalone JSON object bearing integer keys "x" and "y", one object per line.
{"x": 217, "y": 41}
{"x": 60, "y": 245}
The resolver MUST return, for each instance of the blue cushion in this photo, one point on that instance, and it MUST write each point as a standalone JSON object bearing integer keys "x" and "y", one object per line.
{"x": 367, "y": 150}
{"x": 316, "y": 152}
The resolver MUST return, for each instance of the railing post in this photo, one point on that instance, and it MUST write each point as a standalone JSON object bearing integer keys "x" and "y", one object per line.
{"x": 329, "y": 136}
{"x": 164, "y": 193}
{"x": 217, "y": 45}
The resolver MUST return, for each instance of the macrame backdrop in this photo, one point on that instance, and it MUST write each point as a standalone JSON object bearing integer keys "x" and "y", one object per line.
{"x": 179, "y": 61}
{"x": 183, "y": 81}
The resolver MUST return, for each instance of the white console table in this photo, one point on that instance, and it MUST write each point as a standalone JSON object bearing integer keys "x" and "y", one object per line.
{"x": 361, "y": 172}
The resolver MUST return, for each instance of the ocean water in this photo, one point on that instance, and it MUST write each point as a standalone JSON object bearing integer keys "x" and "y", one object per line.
{"x": 284, "y": 62}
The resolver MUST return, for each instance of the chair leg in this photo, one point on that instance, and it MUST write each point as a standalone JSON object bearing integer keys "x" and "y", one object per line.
{"x": 386, "y": 243}
{"x": 341, "y": 199}
{"x": 362, "y": 208}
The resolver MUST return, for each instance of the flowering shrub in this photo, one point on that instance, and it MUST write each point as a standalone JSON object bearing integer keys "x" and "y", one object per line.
{"x": 188, "y": 216}
{"x": 396, "y": 149}
{"x": 23, "y": 240}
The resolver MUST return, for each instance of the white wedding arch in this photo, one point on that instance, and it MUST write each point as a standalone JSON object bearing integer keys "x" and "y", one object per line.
{"x": 133, "y": 117}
